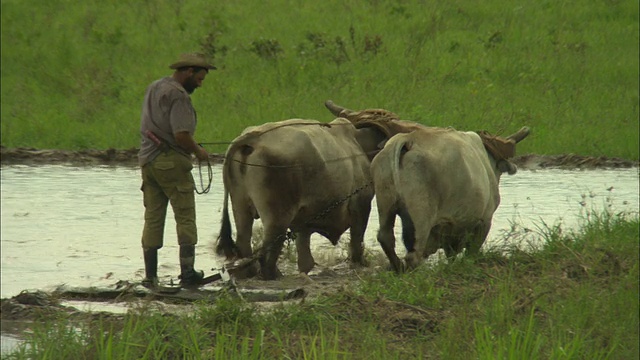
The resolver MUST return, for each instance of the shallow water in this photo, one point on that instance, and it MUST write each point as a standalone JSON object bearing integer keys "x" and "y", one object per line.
{"x": 81, "y": 226}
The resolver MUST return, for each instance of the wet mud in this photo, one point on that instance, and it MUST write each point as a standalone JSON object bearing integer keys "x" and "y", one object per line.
{"x": 128, "y": 157}
{"x": 289, "y": 288}
{"x": 115, "y": 157}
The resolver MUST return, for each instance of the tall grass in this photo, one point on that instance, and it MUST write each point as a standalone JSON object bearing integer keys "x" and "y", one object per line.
{"x": 574, "y": 298}
{"x": 74, "y": 73}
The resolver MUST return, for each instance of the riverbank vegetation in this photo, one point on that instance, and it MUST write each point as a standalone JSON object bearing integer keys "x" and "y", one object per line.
{"x": 74, "y": 73}
{"x": 575, "y": 297}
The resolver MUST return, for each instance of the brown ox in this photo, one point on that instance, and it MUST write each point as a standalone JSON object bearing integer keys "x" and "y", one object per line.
{"x": 302, "y": 175}
{"x": 444, "y": 186}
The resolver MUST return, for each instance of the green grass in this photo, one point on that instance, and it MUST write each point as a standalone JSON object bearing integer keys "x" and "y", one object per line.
{"x": 74, "y": 73}
{"x": 576, "y": 297}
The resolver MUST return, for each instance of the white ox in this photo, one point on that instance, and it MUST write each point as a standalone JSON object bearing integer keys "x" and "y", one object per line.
{"x": 302, "y": 175}
{"x": 444, "y": 186}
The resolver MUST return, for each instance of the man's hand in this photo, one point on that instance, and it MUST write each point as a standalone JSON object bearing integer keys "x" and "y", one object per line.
{"x": 186, "y": 141}
{"x": 202, "y": 154}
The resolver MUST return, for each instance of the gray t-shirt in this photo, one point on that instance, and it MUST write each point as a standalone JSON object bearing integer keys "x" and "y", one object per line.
{"x": 166, "y": 110}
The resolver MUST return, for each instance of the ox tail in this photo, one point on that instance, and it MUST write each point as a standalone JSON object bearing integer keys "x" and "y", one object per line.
{"x": 226, "y": 246}
{"x": 399, "y": 149}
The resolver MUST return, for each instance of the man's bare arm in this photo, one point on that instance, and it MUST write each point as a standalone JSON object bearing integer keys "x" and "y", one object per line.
{"x": 186, "y": 141}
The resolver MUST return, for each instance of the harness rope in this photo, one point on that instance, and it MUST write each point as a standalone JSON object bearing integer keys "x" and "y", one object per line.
{"x": 274, "y": 128}
{"x": 216, "y": 143}
{"x": 300, "y": 165}
{"x": 205, "y": 189}
{"x": 286, "y": 166}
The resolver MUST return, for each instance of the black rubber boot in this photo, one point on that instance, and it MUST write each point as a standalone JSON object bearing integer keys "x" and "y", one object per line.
{"x": 188, "y": 275}
{"x": 150, "y": 267}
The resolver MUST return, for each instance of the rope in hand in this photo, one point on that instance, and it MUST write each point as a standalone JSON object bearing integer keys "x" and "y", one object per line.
{"x": 209, "y": 177}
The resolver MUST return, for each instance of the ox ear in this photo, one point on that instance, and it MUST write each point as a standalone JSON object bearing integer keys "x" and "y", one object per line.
{"x": 520, "y": 135}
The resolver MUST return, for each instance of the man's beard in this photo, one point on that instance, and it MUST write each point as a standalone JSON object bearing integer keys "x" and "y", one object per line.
{"x": 190, "y": 85}
{"x": 189, "y": 88}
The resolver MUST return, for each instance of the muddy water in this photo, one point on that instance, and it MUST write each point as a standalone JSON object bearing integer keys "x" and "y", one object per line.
{"x": 81, "y": 226}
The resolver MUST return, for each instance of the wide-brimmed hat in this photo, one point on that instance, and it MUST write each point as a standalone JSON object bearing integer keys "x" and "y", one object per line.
{"x": 192, "y": 59}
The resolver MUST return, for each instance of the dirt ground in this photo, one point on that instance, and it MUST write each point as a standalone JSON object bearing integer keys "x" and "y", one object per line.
{"x": 128, "y": 157}
{"x": 291, "y": 287}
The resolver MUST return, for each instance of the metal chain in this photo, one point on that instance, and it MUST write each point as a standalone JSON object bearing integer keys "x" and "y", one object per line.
{"x": 335, "y": 204}
{"x": 290, "y": 236}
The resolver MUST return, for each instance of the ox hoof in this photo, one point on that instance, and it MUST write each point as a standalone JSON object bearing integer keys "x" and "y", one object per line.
{"x": 270, "y": 274}
{"x": 243, "y": 269}
{"x": 307, "y": 267}
{"x": 307, "y": 279}
{"x": 358, "y": 263}
{"x": 399, "y": 268}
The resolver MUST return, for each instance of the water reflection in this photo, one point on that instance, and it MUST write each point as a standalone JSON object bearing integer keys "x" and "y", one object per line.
{"x": 82, "y": 226}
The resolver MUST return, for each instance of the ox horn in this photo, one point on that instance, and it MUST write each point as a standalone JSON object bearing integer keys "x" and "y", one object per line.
{"x": 520, "y": 135}
{"x": 337, "y": 110}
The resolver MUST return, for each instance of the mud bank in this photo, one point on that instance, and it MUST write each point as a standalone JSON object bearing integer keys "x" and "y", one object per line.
{"x": 128, "y": 157}
{"x": 36, "y": 304}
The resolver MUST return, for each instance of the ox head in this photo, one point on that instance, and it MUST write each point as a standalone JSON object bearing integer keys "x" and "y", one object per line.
{"x": 504, "y": 165}
{"x": 374, "y": 126}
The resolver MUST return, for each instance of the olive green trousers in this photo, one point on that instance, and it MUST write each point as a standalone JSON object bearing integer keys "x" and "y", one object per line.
{"x": 168, "y": 179}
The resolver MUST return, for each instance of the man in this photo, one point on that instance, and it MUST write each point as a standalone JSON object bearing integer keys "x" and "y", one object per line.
{"x": 167, "y": 126}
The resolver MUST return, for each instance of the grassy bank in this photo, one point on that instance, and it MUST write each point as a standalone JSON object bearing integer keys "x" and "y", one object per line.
{"x": 74, "y": 73}
{"x": 575, "y": 298}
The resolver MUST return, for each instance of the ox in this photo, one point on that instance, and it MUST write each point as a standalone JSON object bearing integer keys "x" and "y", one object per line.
{"x": 302, "y": 175}
{"x": 443, "y": 184}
